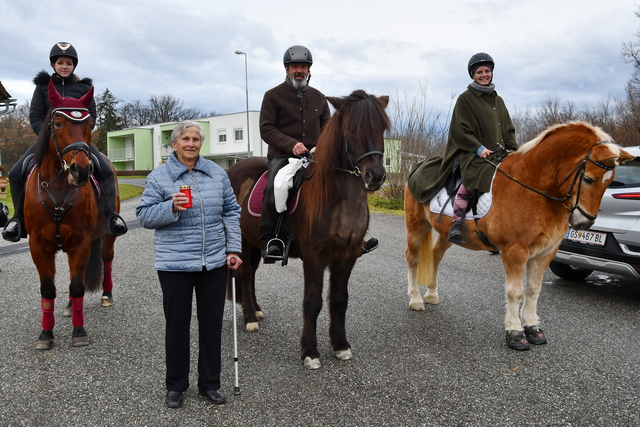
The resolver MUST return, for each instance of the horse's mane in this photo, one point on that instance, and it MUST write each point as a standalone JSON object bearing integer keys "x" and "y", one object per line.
{"x": 42, "y": 144}
{"x": 360, "y": 117}
{"x": 599, "y": 133}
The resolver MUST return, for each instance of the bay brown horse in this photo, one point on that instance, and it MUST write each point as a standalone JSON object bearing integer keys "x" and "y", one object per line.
{"x": 330, "y": 221}
{"x": 552, "y": 182}
{"x": 61, "y": 213}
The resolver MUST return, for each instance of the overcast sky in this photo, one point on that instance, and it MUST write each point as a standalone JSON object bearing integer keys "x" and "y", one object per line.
{"x": 137, "y": 48}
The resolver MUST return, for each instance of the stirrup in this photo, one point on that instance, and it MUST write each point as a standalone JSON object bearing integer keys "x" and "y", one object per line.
{"x": 112, "y": 220}
{"x": 370, "y": 244}
{"x": 277, "y": 249}
{"x": 458, "y": 233}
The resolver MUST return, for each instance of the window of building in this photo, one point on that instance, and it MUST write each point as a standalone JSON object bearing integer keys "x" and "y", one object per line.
{"x": 238, "y": 133}
{"x": 222, "y": 136}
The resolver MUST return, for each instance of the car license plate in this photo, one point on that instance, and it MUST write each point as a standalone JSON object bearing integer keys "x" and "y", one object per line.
{"x": 586, "y": 236}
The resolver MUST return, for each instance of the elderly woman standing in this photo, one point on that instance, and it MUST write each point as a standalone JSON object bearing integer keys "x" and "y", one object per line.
{"x": 196, "y": 239}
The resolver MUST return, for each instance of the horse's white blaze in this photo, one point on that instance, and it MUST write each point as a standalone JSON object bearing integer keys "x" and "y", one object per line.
{"x": 310, "y": 363}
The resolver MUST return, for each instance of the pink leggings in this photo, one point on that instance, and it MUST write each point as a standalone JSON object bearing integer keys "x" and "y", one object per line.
{"x": 460, "y": 203}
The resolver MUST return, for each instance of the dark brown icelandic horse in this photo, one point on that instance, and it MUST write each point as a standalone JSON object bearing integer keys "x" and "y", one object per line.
{"x": 552, "y": 182}
{"x": 61, "y": 213}
{"x": 330, "y": 221}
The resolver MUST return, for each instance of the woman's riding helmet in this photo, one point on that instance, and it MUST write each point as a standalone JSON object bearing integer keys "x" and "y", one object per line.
{"x": 297, "y": 53}
{"x": 479, "y": 59}
{"x": 63, "y": 49}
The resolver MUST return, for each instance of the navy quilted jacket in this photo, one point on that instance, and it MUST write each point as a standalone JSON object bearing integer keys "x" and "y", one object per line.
{"x": 203, "y": 234}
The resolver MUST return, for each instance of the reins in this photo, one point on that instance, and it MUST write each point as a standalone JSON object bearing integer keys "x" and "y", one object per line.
{"x": 577, "y": 172}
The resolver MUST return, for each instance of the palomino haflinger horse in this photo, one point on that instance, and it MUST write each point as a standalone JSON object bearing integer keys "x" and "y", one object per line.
{"x": 61, "y": 213}
{"x": 552, "y": 182}
{"x": 330, "y": 221}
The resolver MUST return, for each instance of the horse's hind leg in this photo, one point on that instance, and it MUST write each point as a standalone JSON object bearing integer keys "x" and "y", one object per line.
{"x": 418, "y": 229}
{"x": 108, "y": 243}
{"x": 246, "y": 291}
{"x": 311, "y": 306}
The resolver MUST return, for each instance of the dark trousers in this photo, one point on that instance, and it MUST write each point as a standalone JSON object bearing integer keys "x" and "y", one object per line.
{"x": 269, "y": 216}
{"x": 177, "y": 291}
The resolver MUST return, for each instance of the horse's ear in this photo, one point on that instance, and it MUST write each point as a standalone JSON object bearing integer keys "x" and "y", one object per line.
{"x": 384, "y": 101}
{"x": 605, "y": 154}
{"x": 54, "y": 96}
{"x": 87, "y": 98}
{"x": 336, "y": 102}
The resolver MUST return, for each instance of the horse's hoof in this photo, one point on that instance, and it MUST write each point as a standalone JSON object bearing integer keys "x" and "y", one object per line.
{"x": 534, "y": 335}
{"x": 259, "y": 315}
{"x": 310, "y": 363}
{"x": 517, "y": 341}
{"x": 416, "y": 305}
{"x": 344, "y": 354}
{"x": 79, "y": 341}
{"x": 79, "y": 337}
{"x": 45, "y": 340}
{"x": 252, "y": 326}
{"x": 106, "y": 301}
{"x": 68, "y": 311}
{"x": 431, "y": 298}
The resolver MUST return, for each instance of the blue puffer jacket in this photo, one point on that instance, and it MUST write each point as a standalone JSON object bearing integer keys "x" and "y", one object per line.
{"x": 203, "y": 234}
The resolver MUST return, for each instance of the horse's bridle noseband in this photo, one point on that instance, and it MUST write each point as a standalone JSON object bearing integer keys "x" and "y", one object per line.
{"x": 355, "y": 170}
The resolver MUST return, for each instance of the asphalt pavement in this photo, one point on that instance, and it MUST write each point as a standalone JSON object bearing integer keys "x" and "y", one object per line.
{"x": 446, "y": 366}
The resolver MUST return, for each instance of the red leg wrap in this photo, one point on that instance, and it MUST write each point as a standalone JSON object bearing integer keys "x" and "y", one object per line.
{"x": 48, "y": 321}
{"x": 107, "y": 280}
{"x": 77, "y": 306}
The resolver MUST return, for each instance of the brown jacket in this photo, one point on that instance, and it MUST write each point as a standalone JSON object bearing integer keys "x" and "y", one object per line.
{"x": 288, "y": 117}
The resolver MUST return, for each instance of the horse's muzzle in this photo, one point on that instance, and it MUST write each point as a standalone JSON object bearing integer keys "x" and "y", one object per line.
{"x": 373, "y": 181}
{"x": 79, "y": 174}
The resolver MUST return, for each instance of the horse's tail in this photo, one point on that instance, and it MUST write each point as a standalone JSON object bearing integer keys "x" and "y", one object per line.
{"x": 93, "y": 275}
{"x": 425, "y": 266}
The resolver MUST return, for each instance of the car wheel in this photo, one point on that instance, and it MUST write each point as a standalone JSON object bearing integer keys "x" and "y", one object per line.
{"x": 569, "y": 272}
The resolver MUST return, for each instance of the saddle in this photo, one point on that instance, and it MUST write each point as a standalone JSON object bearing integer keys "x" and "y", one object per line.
{"x": 254, "y": 204}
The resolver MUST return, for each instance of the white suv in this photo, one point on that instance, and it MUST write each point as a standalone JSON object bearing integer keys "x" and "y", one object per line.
{"x": 612, "y": 245}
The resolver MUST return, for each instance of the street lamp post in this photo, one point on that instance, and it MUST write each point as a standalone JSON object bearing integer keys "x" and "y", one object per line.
{"x": 246, "y": 85}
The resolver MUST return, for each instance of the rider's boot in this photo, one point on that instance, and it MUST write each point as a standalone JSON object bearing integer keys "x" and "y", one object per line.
{"x": 14, "y": 230}
{"x": 115, "y": 224}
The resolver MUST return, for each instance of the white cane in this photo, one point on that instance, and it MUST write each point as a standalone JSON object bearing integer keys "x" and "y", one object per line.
{"x": 236, "y": 390}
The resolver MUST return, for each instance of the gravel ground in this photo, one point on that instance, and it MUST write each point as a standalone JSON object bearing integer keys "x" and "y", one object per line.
{"x": 445, "y": 366}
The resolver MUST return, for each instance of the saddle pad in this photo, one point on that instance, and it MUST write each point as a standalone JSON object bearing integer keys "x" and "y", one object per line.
{"x": 437, "y": 202}
{"x": 257, "y": 192}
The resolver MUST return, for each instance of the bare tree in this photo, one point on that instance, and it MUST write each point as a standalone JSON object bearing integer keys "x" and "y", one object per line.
{"x": 16, "y": 135}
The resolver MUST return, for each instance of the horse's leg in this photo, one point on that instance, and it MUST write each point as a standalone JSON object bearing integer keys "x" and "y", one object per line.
{"x": 245, "y": 288}
{"x": 535, "y": 271}
{"x": 417, "y": 228}
{"x": 108, "y": 243}
{"x": 78, "y": 258}
{"x": 311, "y": 306}
{"x": 514, "y": 260}
{"x": 45, "y": 263}
{"x": 338, "y": 302}
{"x": 255, "y": 262}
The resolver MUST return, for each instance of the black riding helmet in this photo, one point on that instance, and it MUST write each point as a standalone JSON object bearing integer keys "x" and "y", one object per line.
{"x": 63, "y": 49}
{"x": 297, "y": 53}
{"x": 478, "y": 60}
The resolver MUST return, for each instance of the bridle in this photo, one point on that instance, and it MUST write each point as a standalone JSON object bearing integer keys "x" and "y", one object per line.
{"x": 578, "y": 175}
{"x": 60, "y": 209}
{"x": 355, "y": 170}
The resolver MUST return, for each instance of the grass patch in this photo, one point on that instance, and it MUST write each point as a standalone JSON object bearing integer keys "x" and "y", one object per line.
{"x": 381, "y": 204}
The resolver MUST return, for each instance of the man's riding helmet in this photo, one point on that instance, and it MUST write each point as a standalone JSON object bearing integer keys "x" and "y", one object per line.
{"x": 297, "y": 53}
{"x": 478, "y": 60}
{"x": 63, "y": 49}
